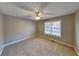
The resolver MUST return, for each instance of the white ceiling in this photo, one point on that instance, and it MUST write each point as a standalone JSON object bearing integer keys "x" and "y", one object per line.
{"x": 27, "y": 10}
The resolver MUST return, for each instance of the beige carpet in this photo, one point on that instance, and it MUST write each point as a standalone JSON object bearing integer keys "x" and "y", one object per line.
{"x": 37, "y": 46}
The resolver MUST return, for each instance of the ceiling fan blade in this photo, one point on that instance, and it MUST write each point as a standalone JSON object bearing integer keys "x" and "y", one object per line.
{"x": 43, "y": 5}
{"x": 49, "y": 13}
{"x": 47, "y": 16}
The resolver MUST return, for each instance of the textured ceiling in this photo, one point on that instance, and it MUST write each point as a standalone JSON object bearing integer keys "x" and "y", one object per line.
{"x": 27, "y": 10}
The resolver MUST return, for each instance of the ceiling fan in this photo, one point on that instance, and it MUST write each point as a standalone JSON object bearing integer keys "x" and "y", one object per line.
{"x": 38, "y": 15}
{"x": 36, "y": 12}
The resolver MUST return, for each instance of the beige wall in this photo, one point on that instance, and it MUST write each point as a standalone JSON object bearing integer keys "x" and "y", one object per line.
{"x": 17, "y": 29}
{"x": 77, "y": 30}
{"x": 1, "y": 32}
{"x": 67, "y": 29}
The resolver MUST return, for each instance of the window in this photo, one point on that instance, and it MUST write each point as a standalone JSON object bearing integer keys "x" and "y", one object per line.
{"x": 53, "y": 28}
{"x": 48, "y": 27}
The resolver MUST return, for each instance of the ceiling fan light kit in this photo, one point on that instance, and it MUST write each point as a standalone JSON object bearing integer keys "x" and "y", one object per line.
{"x": 37, "y": 17}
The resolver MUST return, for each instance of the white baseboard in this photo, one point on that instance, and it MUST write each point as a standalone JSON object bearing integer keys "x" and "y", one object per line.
{"x": 1, "y": 50}
{"x": 13, "y": 43}
{"x": 19, "y": 40}
{"x": 63, "y": 44}
{"x": 57, "y": 41}
{"x": 76, "y": 51}
{"x": 40, "y": 36}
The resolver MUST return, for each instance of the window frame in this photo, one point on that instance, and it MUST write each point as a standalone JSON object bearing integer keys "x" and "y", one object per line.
{"x": 51, "y": 29}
